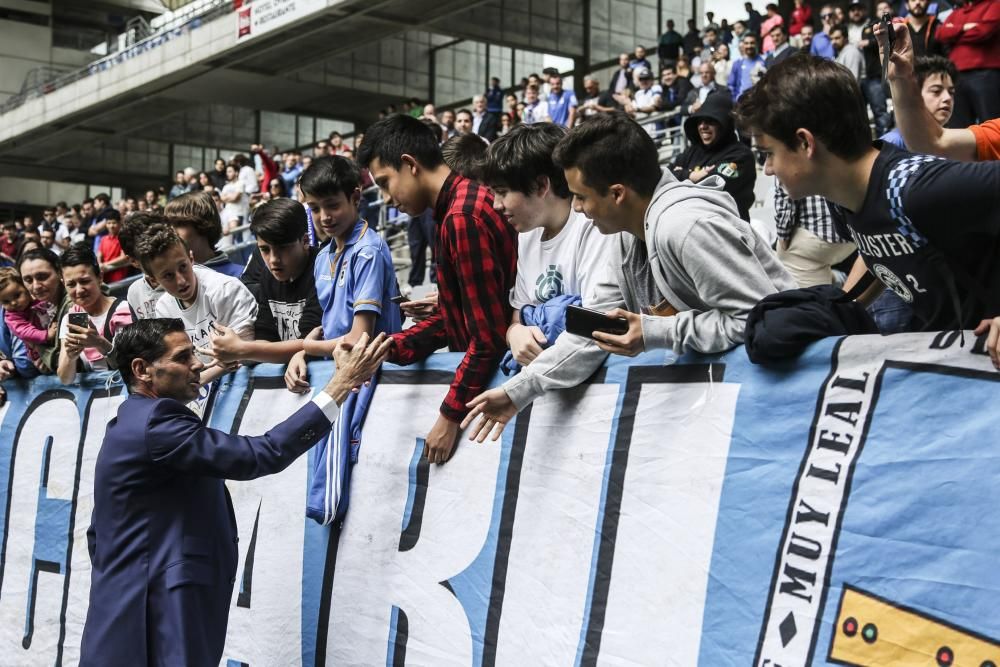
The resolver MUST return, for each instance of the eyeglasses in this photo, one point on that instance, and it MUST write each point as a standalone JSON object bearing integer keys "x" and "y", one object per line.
{"x": 825, "y": 16}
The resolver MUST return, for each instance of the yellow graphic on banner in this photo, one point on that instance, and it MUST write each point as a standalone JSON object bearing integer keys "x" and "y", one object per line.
{"x": 872, "y": 631}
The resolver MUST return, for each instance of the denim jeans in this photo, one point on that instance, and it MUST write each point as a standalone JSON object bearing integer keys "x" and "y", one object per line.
{"x": 891, "y": 313}
{"x": 874, "y": 93}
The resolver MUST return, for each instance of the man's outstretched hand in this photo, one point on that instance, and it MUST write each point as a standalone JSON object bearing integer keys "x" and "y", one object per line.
{"x": 495, "y": 409}
{"x": 356, "y": 364}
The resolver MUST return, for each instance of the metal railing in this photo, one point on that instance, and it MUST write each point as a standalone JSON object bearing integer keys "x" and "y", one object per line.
{"x": 179, "y": 23}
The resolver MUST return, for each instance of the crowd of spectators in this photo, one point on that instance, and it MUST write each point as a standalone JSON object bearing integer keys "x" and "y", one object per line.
{"x": 534, "y": 200}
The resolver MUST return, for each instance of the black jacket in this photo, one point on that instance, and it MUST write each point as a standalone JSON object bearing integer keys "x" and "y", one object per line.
{"x": 726, "y": 156}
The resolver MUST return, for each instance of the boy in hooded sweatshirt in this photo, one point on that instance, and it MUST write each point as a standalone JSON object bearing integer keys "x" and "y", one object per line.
{"x": 684, "y": 273}
{"x": 716, "y": 151}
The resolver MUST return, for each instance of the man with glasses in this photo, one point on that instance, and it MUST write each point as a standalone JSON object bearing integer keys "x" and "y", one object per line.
{"x": 822, "y": 45}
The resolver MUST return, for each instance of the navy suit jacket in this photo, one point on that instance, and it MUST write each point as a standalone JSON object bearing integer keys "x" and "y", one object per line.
{"x": 162, "y": 539}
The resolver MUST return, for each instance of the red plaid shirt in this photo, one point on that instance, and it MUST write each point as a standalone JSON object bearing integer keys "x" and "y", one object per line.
{"x": 477, "y": 258}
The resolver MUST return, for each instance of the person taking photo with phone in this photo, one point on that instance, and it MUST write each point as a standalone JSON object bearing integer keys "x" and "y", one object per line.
{"x": 684, "y": 273}
{"x": 94, "y": 318}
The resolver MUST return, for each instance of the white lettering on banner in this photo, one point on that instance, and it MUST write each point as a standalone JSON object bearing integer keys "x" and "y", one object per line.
{"x": 99, "y": 412}
{"x": 373, "y": 575}
{"x": 837, "y": 439}
{"x": 805, "y": 558}
{"x": 559, "y": 494}
{"x": 670, "y": 503}
{"x": 270, "y": 520}
{"x": 31, "y": 577}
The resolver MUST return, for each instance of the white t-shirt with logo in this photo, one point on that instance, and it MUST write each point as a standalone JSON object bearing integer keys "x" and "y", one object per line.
{"x": 144, "y": 298}
{"x": 221, "y": 300}
{"x": 569, "y": 263}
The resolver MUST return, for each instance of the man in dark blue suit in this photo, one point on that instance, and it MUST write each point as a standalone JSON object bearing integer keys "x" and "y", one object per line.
{"x": 163, "y": 534}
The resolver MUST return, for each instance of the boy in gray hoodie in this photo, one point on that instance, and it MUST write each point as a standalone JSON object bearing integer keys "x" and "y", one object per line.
{"x": 684, "y": 274}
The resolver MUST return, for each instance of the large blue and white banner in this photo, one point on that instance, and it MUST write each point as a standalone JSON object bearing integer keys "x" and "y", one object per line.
{"x": 842, "y": 509}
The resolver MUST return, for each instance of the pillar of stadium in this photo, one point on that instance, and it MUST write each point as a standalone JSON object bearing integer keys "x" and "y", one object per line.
{"x": 130, "y": 121}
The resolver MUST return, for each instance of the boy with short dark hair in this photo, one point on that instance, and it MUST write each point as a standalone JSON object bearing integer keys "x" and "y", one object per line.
{"x": 145, "y": 292}
{"x": 196, "y": 219}
{"x": 354, "y": 277}
{"x": 809, "y": 121}
{"x": 280, "y": 276}
{"x": 113, "y": 261}
{"x": 476, "y": 258}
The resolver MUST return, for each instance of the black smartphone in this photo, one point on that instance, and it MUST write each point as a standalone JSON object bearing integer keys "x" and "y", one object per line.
{"x": 79, "y": 320}
{"x": 584, "y": 321}
{"x": 399, "y": 299}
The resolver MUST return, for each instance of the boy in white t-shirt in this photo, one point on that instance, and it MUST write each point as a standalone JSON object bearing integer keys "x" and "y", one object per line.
{"x": 202, "y": 298}
{"x": 560, "y": 253}
{"x": 144, "y": 293}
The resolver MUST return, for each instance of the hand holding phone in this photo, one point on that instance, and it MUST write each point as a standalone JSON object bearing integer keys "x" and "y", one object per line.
{"x": 584, "y": 322}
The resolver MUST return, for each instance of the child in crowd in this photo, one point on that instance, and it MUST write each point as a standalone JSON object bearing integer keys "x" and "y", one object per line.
{"x": 195, "y": 218}
{"x": 85, "y": 348}
{"x": 198, "y": 296}
{"x": 354, "y": 277}
{"x": 280, "y": 276}
{"x": 560, "y": 254}
{"x": 26, "y": 317}
{"x": 144, "y": 292}
{"x": 8, "y": 243}
{"x": 113, "y": 261}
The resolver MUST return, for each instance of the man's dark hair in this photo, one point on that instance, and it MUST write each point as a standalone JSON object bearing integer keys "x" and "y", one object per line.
{"x": 611, "y": 148}
{"x": 388, "y": 139}
{"x": 103, "y": 196}
{"x": 841, "y": 28}
{"x": 135, "y": 224}
{"x": 198, "y": 211}
{"x": 467, "y": 112}
{"x": 81, "y": 254}
{"x": 749, "y": 35}
{"x": 332, "y": 175}
{"x": 279, "y": 221}
{"x": 156, "y": 241}
{"x": 927, "y": 66}
{"x": 712, "y": 30}
{"x": 143, "y": 339}
{"x": 813, "y": 93}
{"x": 88, "y": 200}
{"x": 43, "y": 254}
{"x": 113, "y": 214}
{"x": 519, "y": 158}
{"x": 781, "y": 27}
{"x": 9, "y": 224}
{"x": 464, "y": 155}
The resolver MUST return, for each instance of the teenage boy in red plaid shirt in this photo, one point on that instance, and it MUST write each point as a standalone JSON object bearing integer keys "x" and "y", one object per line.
{"x": 477, "y": 258}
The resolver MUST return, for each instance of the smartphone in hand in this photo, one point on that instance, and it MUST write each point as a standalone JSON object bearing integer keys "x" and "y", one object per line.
{"x": 584, "y": 322}
{"x": 81, "y": 320}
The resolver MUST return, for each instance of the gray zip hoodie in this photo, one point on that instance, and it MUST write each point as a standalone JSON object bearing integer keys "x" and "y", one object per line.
{"x": 707, "y": 262}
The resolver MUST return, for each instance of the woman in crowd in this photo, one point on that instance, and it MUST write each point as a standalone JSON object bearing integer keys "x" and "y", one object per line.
{"x": 41, "y": 274}
{"x": 723, "y": 64}
{"x": 684, "y": 67}
{"x": 801, "y": 16}
{"x": 204, "y": 181}
{"x": 237, "y": 204}
{"x": 715, "y": 150}
{"x": 85, "y": 349}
